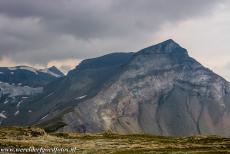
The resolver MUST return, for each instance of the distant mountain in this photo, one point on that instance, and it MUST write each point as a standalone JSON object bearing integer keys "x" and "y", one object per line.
{"x": 158, "y": 90}
{"x": 19, "y": 83}
{"x": 53, "y": 71}
{"x": 28, "y": 76}
{"x": 81, "y": 83}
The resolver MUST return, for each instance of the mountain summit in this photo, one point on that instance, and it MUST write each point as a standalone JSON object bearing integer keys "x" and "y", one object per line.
{"x": 159, "y": 90}
{"x": 166, "y": 47}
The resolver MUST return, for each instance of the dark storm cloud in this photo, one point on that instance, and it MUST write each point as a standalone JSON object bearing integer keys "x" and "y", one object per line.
{"x": 44, "y": 30}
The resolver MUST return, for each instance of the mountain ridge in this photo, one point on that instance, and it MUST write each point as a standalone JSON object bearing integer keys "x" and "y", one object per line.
{"x": 158, "y": 90}
{"x": 17, "y": 85}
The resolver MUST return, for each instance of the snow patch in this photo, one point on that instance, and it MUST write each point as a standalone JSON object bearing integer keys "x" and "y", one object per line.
{"x": 47, "y": 71}
{"x": 14, "y": 90}
{"x": 81, "y": 97}
{"x": 28, "y": 69}
{"x": 44, "y": 117}
{"x": 23, "y": 68}
{"x": 6, "y": 101}
{"x": 3, "y": 116}
{"x": 16, "y": 113}
{"x": 48, "y": 95}
{"x": 35, "y": 71}
{"x": 12, "y": 68}
{"x": 18, "y": 105}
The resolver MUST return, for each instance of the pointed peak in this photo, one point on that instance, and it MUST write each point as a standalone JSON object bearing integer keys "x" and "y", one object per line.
{"x": 53, "y": 68}
{"x": 54, "y": 71}
{"x": 167, "y": 47}
{"x": 169, "y": 41}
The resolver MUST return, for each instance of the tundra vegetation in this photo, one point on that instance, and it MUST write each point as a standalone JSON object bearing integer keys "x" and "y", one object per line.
{"x": 105, "y": 143}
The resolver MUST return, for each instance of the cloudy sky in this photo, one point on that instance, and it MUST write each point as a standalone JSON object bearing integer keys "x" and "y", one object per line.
{"x": 63, "y": 32}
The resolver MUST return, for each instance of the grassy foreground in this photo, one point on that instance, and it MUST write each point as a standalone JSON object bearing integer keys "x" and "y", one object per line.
{"x": 17, "y": 138}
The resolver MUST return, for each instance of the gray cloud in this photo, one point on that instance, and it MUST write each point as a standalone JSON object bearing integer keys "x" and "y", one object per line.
{"x": 39, "y": 31}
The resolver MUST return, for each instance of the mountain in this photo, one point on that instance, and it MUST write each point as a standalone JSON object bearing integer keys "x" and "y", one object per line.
{"x": 63, "y": 93}
{"x": 158, "y": 90}
{"x": 19, "y": 83}
{"x": 28, "y": 76}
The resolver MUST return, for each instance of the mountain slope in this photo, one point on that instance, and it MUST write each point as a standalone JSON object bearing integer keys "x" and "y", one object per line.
{"x": 80, "y": 84}
{"x": 159, "y": 90}
{"x": 28, "y": 76}
{"x": 18, "y": 84}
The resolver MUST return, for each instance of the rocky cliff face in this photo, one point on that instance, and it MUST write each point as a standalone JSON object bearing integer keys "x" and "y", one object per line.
{"x": 160, "y": 91}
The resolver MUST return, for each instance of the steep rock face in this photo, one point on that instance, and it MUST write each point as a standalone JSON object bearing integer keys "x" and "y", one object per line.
{"x": 160, "y": 91}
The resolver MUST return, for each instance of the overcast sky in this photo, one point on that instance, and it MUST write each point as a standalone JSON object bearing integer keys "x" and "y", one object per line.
{"x": 42, "y": 33}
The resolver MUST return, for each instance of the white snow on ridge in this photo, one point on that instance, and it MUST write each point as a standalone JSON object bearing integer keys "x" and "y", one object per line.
{"x": 12, "y": 68}
{"x": 44, "y": 117}
{"x": 23, "y": 68}
{"x": 2, "y": 116}
{"x": 13, "y": 90}
{"x": 48, "y": 95}
{"x": 49, "y": 72}
{"x": 36, "y": 71}
{"x": 18, "y": 105}
{"x": 29, "y": 69}
{"x": 5, "y": 102}
{"x": 16, "y": 113}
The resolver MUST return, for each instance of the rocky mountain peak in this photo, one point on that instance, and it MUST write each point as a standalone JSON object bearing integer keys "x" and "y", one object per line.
{"x": 166, "y": 47}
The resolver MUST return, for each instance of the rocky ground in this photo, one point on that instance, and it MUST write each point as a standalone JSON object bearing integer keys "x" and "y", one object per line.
{"x": 35, "y": 138}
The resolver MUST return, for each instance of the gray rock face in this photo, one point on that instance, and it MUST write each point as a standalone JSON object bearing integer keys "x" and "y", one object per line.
{"x": 160, "y": 91}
